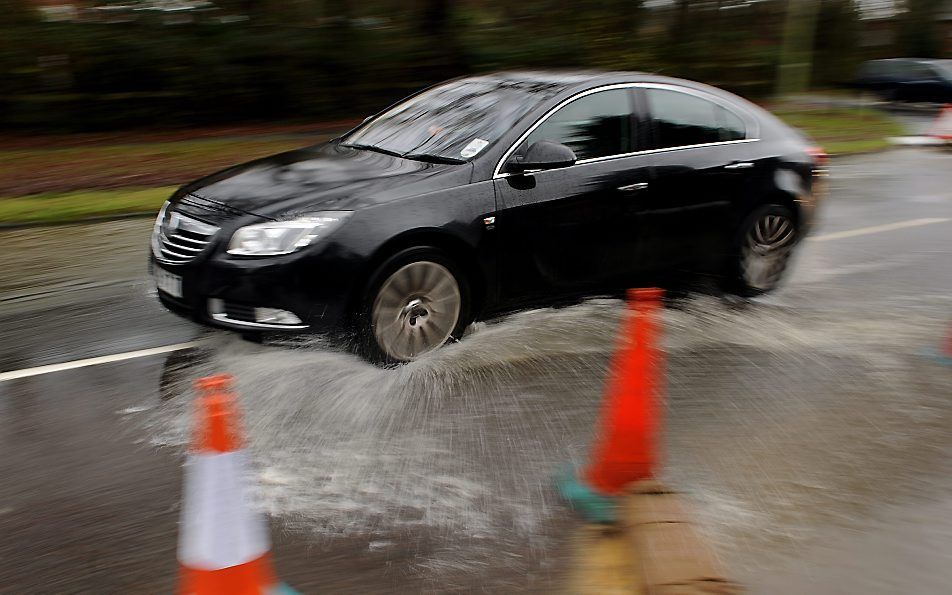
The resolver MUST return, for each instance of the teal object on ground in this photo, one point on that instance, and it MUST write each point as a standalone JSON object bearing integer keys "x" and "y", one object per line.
{"x": 939, "y": 357}
{"x": 592, "y": 506}
{"x": 283, "y": 589}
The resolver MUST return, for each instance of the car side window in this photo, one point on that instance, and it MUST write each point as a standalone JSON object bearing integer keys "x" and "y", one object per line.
{"x": 931, "y": 73}
{"x": 681, "y": 120}
{"x": 596, "y": 125}
{"x": 732, "y": 127}
{"x": 919, "y": 72}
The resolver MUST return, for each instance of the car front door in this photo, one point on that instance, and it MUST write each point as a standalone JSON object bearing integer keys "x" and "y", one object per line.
{"x": 702, "y": 164}
{"x": 565, "y": 231}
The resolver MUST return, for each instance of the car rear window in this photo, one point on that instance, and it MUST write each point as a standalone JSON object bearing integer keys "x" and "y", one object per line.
{"x": 682, "y": 120}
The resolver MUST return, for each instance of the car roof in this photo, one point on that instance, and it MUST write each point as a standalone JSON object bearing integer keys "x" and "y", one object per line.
{"x": 571, "y": 80}
{"x": 562, "y": 83}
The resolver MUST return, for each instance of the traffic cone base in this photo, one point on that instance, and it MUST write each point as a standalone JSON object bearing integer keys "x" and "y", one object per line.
{"x": 939, "y": 357}
{"x": 592, "y": 506}
{"x": 243, "y": 579}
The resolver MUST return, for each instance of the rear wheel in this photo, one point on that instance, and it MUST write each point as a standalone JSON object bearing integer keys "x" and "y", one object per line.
{"x": 417, "y": 301}
{"x": 764, "y": 244}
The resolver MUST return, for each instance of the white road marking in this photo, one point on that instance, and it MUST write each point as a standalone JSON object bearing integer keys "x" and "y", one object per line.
{"x": 862, "y": 231}
{"x": 94, "y": 361}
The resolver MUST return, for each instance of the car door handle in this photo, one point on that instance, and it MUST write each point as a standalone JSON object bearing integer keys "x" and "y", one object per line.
{"x": 633, "y": 187}
{"x": 739, "y": 165}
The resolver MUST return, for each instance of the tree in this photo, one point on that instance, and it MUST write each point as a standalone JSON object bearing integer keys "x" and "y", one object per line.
{"x": 17, "y": 12}
{"x": 918, "y": 30}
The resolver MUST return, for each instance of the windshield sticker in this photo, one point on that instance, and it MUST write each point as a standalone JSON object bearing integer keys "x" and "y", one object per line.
{"x": 474, "y": 147}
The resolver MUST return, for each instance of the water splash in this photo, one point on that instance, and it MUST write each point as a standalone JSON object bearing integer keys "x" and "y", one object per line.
{"x": 783, "y": 415}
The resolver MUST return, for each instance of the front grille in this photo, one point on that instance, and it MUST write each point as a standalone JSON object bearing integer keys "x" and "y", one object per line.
{"x": 178, "y": 238}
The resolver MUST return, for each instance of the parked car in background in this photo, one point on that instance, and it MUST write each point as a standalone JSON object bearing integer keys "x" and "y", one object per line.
{"x": 486, "y": 194}
{"x": 907, "y": 79}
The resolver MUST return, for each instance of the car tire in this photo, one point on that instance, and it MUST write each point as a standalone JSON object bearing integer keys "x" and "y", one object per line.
{"x": 416, "y": 301}
{"x": 761, "y": 250}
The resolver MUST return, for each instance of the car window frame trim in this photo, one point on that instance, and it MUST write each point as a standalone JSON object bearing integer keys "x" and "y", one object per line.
{"x": 746, "y": 116}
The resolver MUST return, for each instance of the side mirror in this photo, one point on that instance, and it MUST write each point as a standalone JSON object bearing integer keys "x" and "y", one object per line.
{"x": 541, "y": 155}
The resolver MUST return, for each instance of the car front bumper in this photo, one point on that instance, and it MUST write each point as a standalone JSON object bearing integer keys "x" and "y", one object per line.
{"x": 229, "y": 293}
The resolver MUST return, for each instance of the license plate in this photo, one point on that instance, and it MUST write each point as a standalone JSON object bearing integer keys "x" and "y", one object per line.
{"x": 168, "y": 283}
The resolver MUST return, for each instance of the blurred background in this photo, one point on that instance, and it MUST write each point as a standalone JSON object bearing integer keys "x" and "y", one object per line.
{"x": 808, "y": 427}
{"x": 253, "y": 74}
{"x": 171, "y": 70}
{"x": 91, "y": 66}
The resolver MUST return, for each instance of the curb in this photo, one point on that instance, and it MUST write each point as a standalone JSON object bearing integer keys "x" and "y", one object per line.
{"x": 656, "y": 549}
{"x": 674, "y": 556}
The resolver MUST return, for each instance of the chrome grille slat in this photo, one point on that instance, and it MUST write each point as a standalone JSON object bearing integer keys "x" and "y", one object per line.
{"x": 176, "y": 254}
{"x": 179, "y": 238}
{"x": 168, "y": 242}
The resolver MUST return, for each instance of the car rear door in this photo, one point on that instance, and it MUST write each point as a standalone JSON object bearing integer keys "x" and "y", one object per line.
{"x": 565, "y": 231}
{"x": 702, "y": 164}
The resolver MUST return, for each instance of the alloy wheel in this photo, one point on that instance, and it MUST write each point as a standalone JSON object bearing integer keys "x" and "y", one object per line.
{"x": 416, "y": 310}
{"x": 766, "y": 249}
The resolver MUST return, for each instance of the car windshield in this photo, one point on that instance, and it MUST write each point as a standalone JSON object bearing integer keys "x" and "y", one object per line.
{"x": 451, "y": 123}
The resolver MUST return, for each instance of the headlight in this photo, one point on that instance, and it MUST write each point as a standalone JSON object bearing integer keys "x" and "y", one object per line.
{"x": 157, "y": 230}
{"x": 284, "y": 237}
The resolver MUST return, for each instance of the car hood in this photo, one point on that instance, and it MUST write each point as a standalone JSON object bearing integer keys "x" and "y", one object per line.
{"x": 328, "y": 177}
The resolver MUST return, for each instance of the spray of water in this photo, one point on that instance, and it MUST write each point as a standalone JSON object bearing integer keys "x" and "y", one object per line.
{"x": 781, "y": 417}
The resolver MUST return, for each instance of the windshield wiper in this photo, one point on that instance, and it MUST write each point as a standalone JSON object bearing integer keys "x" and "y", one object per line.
{"x": 414, "y": 156}
{"x": 434, "y": 158}
{"x": 373, "y": 148}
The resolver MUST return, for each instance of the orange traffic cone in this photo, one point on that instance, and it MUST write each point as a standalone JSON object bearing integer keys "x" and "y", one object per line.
{"x": 626, "y": 450}
{"x": 942, "y": 126}
{"x": 224, "y": 548}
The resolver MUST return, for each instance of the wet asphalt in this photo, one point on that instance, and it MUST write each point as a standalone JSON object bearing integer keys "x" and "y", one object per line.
{"x": 810, "y": 427}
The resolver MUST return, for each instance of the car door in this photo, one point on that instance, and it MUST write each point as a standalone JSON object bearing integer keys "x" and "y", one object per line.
{"x": 568, "y": 230}
{"x": 701, "y": 166}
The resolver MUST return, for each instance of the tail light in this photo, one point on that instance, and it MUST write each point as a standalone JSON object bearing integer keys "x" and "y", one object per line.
{"x": 820, "y": 160}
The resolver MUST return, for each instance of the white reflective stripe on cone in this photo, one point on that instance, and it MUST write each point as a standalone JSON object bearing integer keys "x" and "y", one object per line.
{"x": 219, "y": 527}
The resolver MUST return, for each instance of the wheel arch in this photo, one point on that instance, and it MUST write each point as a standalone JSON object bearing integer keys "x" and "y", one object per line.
{"x": 462, "y": 253}
{"x": 783, "y": 186}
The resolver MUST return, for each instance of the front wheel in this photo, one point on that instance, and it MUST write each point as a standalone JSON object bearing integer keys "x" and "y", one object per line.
{"x": 417, "y": 301}
{"x": 762, "y": 250}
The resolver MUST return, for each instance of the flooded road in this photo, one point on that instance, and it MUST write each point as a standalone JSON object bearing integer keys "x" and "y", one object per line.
{"x": 807, "y": 426}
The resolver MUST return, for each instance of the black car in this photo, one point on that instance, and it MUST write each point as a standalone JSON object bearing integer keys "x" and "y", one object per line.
{"x": 907, "y": 79}
{"x": 484, "y": 194}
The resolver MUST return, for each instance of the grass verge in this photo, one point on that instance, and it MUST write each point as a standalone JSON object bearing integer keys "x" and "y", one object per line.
{"x": 73, "y": 206}
{"x": 841, "y": 130}
{"x": 120, "y": 166}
